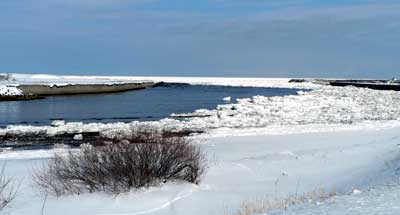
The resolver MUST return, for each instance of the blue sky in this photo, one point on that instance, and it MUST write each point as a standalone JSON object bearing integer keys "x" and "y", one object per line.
{"x": 249, "y": 38}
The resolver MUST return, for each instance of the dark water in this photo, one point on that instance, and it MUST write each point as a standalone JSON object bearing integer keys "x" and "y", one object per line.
{"x": 143, "y": 105}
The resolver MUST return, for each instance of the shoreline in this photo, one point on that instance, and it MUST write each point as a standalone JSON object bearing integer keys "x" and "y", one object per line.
{"x": 266, "y": 167}
{"x": 19, "y": 97}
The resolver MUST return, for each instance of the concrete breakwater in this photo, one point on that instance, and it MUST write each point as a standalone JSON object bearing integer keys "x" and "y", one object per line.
{"x": 376, "y": 85}
{"x": 68, "y": 89}
{"x": 38, "y": 91}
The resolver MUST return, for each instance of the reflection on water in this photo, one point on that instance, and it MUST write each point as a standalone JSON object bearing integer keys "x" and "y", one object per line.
{"x": 148, "y": 104}
{"x": 9, "y": 111}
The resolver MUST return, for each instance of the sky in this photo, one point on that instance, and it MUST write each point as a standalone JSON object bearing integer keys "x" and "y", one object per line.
{"x": 233, "y": 38}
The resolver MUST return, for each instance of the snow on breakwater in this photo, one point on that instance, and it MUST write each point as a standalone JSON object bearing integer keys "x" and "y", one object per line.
{"x": 9, "y": 91}
{"x": 323, "y": 107}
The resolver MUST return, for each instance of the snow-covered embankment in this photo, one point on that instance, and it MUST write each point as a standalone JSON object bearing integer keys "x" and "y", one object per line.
{"x": 241, "y": 169}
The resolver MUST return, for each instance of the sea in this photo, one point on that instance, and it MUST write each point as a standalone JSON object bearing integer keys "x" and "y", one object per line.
{"x": 142, "y": 105}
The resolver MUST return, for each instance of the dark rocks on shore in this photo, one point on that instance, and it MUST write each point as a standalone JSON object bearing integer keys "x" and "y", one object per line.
{"x": 374, "y": 84}
{"x": 297, "y": 80}
{"x": 42, "y": 139}
{"x": 20, "y": 97}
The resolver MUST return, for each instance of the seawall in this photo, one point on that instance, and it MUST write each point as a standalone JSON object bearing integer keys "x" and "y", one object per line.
{"x": 68, "y": 89}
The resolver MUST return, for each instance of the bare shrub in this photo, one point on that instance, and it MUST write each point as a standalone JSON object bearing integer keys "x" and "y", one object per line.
{"x": 8, "y": 190}
{"x": 119, "y": 165}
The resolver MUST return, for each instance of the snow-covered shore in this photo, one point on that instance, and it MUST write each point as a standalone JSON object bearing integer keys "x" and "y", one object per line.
{"x": 241, "y": 169}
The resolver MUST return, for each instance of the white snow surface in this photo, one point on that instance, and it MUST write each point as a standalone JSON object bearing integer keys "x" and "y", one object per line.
{"x": 244, "y": 82}
{"x": 241, "y": 169}
{"x": 9, "y": 91}
{"x": 330, "y": 138}
{"x": 382, "y": 200}
{"x": 59, "y": 80}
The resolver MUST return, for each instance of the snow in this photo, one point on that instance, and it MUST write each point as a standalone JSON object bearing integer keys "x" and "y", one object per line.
{"x": 244, "y": 82}
{"x": 356, "y": 192}
{"x": 335, "y": 139}
{"x": 9, "y": 91}
{"x": 240, "y": 169}
{"x": 328, "y": 105}
{"x": 58, "y": 80}
{"x": 227, "y": 99}
{"x": 382, "y": 200}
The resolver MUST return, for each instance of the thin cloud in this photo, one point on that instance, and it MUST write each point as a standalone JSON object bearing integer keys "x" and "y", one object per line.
{"x": 99, "y": 3}
{"x": 230, "y": 37}
{"x": 347, "y": 12}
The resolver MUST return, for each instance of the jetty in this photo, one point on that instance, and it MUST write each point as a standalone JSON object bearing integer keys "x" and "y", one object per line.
{"x": 376, "y": 84}
{"x": 371, "y": 84}
{"x": 70, "y": 89}
{"x": 39, "y": 91}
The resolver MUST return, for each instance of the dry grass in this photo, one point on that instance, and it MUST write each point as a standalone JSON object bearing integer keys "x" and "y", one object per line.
{"x": 266, "y": 205}
{"x": 117, "y": 166}
{"x": 8, "y": 190}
